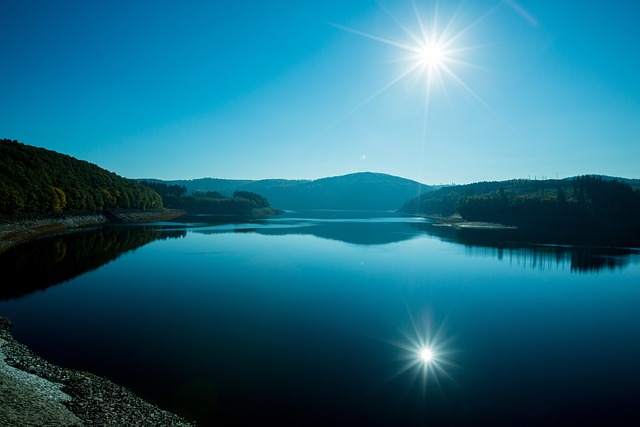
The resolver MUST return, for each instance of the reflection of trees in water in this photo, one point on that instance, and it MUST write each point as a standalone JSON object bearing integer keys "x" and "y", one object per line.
{"x": 579, "y": 253}
{"x": 578, "y": 259}
{"x": 41, "y": 263}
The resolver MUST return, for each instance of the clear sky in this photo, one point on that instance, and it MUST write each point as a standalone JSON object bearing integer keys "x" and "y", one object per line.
{"x": 439, "y": 92}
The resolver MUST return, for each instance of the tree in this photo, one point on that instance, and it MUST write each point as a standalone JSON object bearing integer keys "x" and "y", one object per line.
{"x": 256, "y": 200}
{"x": 59, "y": 199}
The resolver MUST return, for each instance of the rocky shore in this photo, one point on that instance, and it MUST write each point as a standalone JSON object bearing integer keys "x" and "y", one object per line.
{"x": 34, "y": 392}
{"x": 18, "y": 228}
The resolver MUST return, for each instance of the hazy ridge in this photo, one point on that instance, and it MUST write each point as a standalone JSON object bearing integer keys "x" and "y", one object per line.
{"x": 39, "y": 180}
{"x": 357, "y": 191}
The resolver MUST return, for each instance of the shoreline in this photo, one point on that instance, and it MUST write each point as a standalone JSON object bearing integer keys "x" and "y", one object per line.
{"x": 455, "y": 221}
{"x": 15, "y": 229}
{"x": 19, "y": 228}
{"x": 34, "y": 392}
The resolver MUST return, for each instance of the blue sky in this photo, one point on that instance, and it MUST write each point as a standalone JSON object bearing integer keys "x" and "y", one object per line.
{"x": 309, "y": 89}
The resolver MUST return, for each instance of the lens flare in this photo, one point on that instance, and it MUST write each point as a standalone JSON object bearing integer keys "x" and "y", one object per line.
{"x": 426, "y": 355}
{"x": 433, "y": 49}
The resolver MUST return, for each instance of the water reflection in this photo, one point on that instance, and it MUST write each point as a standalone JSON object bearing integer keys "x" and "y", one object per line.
{"x": 427, "y": 354}
{"x": 48, "y": 261}
{"x": 363, "y": 232}
{"x": 534, "y": 251}
{"x": 577, "y": 259}
{"x": 253, "y": 329}
{"x": 519, "y": 247}
{"x": 354, "y": 227}
{"x": 41, "y": 263}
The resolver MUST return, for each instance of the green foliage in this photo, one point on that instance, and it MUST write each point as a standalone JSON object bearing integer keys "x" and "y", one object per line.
{"x": 36, "y": 180}
{"x": 532, "y": 201}
{"x": 209, "y": 194}
{"x": 174, "y": 196}
{"x": 255, "y": 200}
{"x": 220, "y": 206}
{"x": 358, "y": 191}
{"x": 195, "y": 204}
{"x": 166, "y": 190}
{"x": 59, "y": 199}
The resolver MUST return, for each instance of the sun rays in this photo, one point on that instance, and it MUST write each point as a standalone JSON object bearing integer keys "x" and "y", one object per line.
{"x": 427, "y": 355}
{"x": 425, "y": 358}
{"x": 431, "y": 52}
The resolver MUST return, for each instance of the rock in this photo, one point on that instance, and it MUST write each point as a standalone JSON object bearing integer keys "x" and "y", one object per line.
{"x": 34, "y": 392}
{"x": 5, "y": 324}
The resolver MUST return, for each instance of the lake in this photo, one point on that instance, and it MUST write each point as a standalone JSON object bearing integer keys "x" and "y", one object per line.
{"x": 323, "y": 318}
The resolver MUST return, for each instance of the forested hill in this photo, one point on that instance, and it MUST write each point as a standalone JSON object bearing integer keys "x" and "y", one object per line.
{"x": 534, "y": 201}
{"x": 357, "y": 191}
{"x": 37, "y": 180}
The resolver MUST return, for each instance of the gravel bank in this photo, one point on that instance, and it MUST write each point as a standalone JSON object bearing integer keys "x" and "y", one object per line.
{"x": 34, "y": 392}
{"x": 16, "y": 229}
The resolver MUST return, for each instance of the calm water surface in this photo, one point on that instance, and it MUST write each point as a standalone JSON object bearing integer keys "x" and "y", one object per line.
{"x": 319, "y": 318}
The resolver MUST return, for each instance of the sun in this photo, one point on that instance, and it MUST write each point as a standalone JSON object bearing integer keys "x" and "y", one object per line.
{"x": 432, "y": 56}
{"x": 431, "y": 51}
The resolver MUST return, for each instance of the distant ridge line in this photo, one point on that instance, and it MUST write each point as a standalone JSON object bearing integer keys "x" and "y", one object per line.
{"x": 359, "y": 190}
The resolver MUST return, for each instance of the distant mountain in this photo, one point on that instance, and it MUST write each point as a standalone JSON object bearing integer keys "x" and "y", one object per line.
{"x": 357, "y": 191}
{"x": 633, "y": 182}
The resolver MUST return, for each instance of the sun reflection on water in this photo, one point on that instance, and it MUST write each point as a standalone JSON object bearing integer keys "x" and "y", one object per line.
{"x": 426, "y": 358}
{"x": 426, "y": 355}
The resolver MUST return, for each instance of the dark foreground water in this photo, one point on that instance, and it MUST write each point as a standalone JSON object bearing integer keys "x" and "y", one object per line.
{"x": 319, "y": 318}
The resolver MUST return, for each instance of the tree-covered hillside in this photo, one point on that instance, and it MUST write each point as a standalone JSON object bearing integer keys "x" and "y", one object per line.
{"x": 533, "y": 201}
{"x": 242, "y": 203}
{"x": 37, "y": 180}
{"x": 357, "y": 191}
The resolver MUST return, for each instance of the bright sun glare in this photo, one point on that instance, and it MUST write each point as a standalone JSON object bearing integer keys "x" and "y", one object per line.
{"x": 432, "y": 56}
{"x": 432, "y": 49}
{"x": 426, "y": 355}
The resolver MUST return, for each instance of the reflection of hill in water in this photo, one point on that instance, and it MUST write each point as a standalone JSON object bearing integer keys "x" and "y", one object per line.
{"x": 45, "y": 262}
{"x": 354, "y": 227}
{"x": 41, "y": 263}
{"x": 579, "y": 252}
{"x": 375, "y": 228}
{"x": 536, "y": 251}
{"x": 359, "y": 233}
